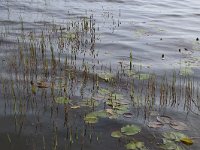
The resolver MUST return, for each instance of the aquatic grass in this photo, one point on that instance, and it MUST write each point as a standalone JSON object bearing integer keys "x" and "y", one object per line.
{"x": 46, "y": 55}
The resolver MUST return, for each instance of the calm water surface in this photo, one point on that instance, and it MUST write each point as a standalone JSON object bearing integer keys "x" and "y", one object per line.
{"x": 148, "y": 29}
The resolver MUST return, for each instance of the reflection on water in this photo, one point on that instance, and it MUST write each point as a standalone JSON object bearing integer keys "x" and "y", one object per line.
{"x": 62, "y": 61}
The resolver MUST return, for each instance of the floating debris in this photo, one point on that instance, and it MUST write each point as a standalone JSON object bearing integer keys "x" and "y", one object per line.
{"x": 163, "y": 56}
{"x": 75, "y": 107}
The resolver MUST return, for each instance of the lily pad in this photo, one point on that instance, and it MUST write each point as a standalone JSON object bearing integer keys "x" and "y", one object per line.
{"x": 116, "y": 134}
{"x": 93, "y": 116}
{"x": 103, "y": 91}
{"x": 169, "y": 145}
{"x": 121, "y": 109}
{"x": 164, "y": 119}
{"x": 118, "y": 106}
{"x": 174, "y": 136}
{"x": 155, "y": 124}
{"x": 130, "y": 129}
{"x": 178, "y": 125}
{"x": 89, "y": 103}
{"x": 62, "y": 100}
{"x": 116, "y": 96}
{"x": 101, "y": 114}
{"x": 135, "y": 146}
{"x": 90, "y": 119}
{"x": 130, "y": 73}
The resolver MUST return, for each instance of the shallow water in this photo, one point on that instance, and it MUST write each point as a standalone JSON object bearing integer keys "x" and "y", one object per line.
{"x": 147, "y": 29}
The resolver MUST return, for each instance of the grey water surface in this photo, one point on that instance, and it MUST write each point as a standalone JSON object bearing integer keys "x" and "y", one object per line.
{"x": 147, "y": 29}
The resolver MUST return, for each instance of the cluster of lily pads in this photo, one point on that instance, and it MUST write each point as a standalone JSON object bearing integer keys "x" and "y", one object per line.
{"x": 115, "y": 106}
{"x": 166, "y": 120}
{"x": 127, "y": 131}
{"x": 172, "y": 141}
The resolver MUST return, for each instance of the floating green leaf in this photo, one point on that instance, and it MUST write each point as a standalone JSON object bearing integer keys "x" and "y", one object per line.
{"x": 131, "y": 146}
{"x": 116, "y": 96}
{"x": 174, "y": 136}
{"x": 135, "y": 146}
{"x": 116, "y": 134}
{"x": 89, "y": 103}
{"x": 103, "y": 91}
{"x": 93, "y": 116}
{"x": 62, "y": 100}
{"x": 101, "y": 114}
{"x": 130, "y": 130}
{"x": 90, "y": 119}
{"x": 130, "y": 72}
{"x": 117, "y": 106}
{"x": 170, "y": 142}
{"x": 168, "y": 145}
{"x": 120, "y": 110}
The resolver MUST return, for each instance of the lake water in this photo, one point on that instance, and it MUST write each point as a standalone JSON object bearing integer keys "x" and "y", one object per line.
{"x": 156, "y": 37}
